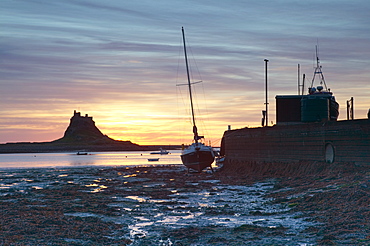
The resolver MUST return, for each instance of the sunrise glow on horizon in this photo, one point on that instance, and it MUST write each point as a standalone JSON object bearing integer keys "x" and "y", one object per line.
{"x": 120, "y": 62}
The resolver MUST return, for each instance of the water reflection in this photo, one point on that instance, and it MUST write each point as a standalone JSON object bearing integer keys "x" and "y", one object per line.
{"x": 128, "y": 158}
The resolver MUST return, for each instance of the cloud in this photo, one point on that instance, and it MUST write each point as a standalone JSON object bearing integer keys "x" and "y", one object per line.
{"x": 121, "y": 61}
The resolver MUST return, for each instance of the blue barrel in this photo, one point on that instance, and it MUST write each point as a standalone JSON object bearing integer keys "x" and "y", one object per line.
{"x": 315, "y": 108}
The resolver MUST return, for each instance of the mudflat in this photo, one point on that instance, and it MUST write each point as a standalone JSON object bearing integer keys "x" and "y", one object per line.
{"x": 165, "y": 205}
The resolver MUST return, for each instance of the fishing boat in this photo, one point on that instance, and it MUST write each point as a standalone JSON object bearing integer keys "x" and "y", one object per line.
{"x": 197, "y": 156}
{"x": 320, "y": 94}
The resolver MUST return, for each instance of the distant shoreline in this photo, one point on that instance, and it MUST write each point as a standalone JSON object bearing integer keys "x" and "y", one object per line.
{"x": 49, "y": 147}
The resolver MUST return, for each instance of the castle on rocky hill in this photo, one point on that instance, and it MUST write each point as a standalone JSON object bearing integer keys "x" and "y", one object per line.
{"x": 83, "y": 129}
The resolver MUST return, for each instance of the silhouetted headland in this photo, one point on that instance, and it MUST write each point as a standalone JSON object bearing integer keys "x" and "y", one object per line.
{"x": 81, "y": 135}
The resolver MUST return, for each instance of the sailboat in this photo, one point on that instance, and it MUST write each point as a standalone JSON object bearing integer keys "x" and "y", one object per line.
{"x": 197, "y": 156}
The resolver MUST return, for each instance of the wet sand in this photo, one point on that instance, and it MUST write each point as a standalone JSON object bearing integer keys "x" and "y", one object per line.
{"x": 164, "y": 205}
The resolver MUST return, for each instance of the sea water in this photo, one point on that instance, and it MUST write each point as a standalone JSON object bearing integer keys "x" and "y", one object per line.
{"x": 71, "y": 159}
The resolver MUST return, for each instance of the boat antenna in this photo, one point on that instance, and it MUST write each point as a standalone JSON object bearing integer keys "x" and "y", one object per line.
{"x": 300, "y": 86}
{"x": 195, "y": 130}
{"x": 318, "y": 71}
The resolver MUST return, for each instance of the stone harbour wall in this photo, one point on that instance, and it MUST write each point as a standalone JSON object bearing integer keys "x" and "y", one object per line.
{"x": 332, "y": 142}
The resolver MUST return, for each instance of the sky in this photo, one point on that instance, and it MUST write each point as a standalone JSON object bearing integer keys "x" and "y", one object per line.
{"x": 121, "y": 62}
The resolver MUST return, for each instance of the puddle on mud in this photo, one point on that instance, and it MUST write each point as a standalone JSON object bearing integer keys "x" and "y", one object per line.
{"x": 148, "y": 217}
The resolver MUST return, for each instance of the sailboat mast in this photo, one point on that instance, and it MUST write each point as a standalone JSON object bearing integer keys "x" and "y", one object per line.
{"x": 189, "y": 86}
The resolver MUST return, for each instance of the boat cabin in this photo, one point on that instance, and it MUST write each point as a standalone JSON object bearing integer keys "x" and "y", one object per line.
{"x": 315, "y": 107}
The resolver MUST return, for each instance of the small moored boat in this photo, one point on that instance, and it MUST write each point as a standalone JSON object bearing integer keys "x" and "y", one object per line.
{"x": 160, "y": 152}
{"x": 81, "y": 153}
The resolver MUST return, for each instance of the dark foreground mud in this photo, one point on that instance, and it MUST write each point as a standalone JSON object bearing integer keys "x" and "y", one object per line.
{"x": 164, "y": 205}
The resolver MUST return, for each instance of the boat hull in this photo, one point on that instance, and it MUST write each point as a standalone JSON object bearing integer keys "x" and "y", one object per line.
{"x": 197, "y": 158}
